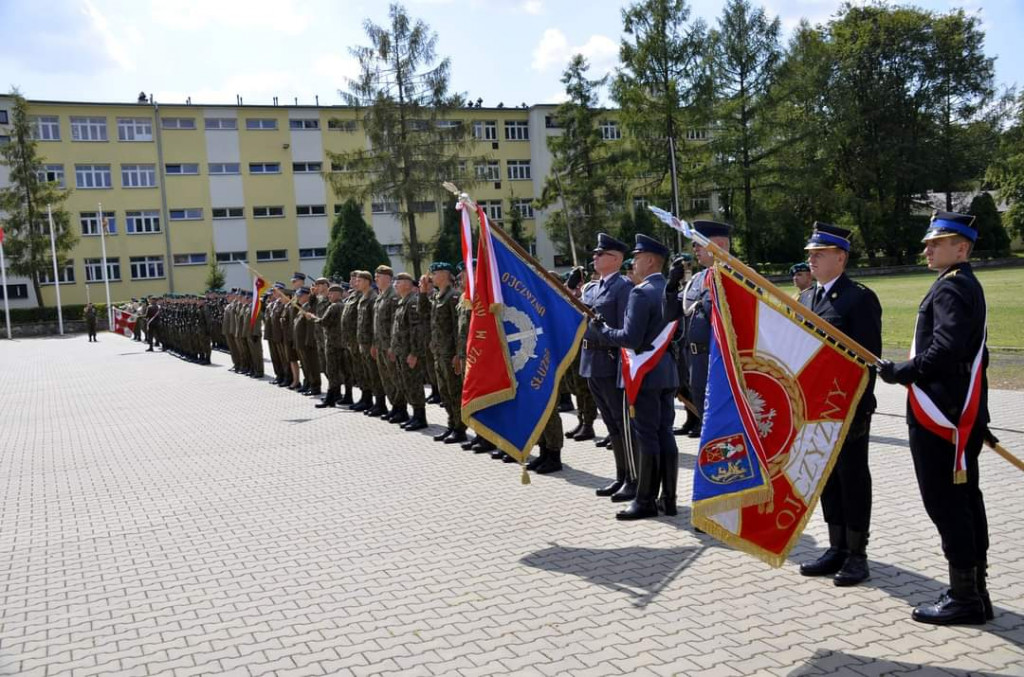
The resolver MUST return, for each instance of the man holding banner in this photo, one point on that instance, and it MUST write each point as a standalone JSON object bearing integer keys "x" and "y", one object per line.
{"x": 653, "y": 412}
{"x": 846, "y": 499}
{"x": 947, "y": 413}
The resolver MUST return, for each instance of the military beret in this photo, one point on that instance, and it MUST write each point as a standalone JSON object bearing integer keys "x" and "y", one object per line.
{"x": 799, "y": 268}
{"x": 365, "y": 274}
{"x": 384, "y": 270}
{"x": 828, "y": 236}
{"x": 442, "y": 265}
{"x": 627, "y": 264}
{"x": 405, "y": 276}
{"x": 336, "y": 287}
{"x": 946, "y": 224}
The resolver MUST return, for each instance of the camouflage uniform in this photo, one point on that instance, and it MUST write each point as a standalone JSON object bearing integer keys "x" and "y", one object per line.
{"x": 330, "y": 324}
{"x": 364, "y": 337}
{"x": 383, "y": 318}
{"x": 255, "y": 340}
{"x": 444, "y": 330}
{"x": 407, "y": 339}
{"x": 425, "y": 311}
{"x": 349, "y": 329}
{"x": 305, "y": 344}
{"x": 319, "y": 308}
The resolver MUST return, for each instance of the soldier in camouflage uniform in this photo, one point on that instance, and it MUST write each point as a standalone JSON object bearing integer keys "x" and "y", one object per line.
{"x": 364, "y": 336}
{"x": 350, "y": 338}
{"x": 426, "y": 287}
{"x": 288, "y": 330}
{"x": 444, "y": 332}
{"x": 383, "y": 317}
{"x": 254, "y": 337}
{"x": 305, "y": 343}
{"x": 226, "y": 322}
{"x": 271, "y": 329}
{"x": 320, "y": 304}
{"x": 330, "y": 322}
{"x": 408, "y": 349}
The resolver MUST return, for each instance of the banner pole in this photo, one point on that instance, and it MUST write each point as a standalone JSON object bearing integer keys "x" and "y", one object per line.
{"x": 56, "y": 275}
{"x": 3, "y": 286}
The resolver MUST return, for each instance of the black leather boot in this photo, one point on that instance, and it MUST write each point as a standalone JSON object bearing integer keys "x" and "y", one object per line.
{"x": 832, "y": 560}
{"x": 363, "y": 404}
{"x": 457, "y": 437}
{"x": 551, "y": 463}
{"x": 418, "y": 420}
{"x": 434, "y": 397}
{"x": 620, "y": 468}
{"x": 347, "y": 398}
{"x": 668, "y": 466}
{"x": 688, "y": 425}
{"x": 603, "y": 441}
{"x": 332, "y": 397}
{"x": 855, "y": 568}
{"x": 643, "y": 506}
{"x": 443, "y": 435}
{"x": 960, "y": 605}
{"x": 982, "y": 584}
{"x": 399, "y": 415}
{"x": 570, "y": 433}
{"x": 585, "y": 432}
{"x": 535, "y": 463}
{"x": 471, "y": 443}
{"x": 484, "y": 446}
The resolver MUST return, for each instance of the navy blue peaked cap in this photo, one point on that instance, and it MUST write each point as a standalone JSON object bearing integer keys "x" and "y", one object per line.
{"x": 713, "y": 228}
{"x": 645, "y": 243}
{"x": 606, "y": 242}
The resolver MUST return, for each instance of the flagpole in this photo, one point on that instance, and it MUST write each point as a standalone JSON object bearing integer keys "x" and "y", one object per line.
{"x": 56, "y": 276}
{"x": 103, "y": 249}
{"x": 3, "y": 285}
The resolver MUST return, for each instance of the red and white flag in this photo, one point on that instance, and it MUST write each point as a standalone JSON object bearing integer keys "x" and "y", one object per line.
{"x": 635, "y": 367}
{"x": 124, "y": 323}
{"x": 258, "y": 285}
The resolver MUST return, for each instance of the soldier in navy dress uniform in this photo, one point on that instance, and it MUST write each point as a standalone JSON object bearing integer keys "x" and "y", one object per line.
{"x": 694, "y": 306}
{"x": 950, "y": 355}
{"x": 654, "y": 410}
{"x": 599, "y": 360}
{"x": 846, "y": 499}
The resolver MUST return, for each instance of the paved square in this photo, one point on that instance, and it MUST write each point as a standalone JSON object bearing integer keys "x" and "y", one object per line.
{"x": 159, "y": 517}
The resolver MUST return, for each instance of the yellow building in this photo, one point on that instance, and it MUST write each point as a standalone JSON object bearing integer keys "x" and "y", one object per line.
{"x": 179, "y": 184}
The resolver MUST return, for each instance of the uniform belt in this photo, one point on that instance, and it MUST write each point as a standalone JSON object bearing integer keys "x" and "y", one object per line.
{"x": 699, "y": 348}
{"x": 590, "y": 345}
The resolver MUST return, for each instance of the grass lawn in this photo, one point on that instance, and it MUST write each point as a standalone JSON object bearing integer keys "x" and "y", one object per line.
{"x": 900, "y": 296}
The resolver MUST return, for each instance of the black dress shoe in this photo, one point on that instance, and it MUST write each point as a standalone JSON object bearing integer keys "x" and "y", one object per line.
{"x": 586, "y": 432}
{"x": 551, "y": 463}
{"x": 609, "y": 489}
{"x": 855, "y": 570}
{"x": 471, "y": 444}
{"x": 401, "y": 416}
{"x": 625, "y": 493}
{"x": 828, "y": 564}
{"x": 603, "y": 442}
{"x": 442, "y": 436}
{"x": 569, "y": 434}
{"x": 508, "y": 459}
{"x": 695, "y": 433}
{"x": 497, "y": 455}
{"x": 457, "y": 437}
{"x": 415, "y": 423}
{"x": 484, "y": 447}
{"x": 637, "y": 511}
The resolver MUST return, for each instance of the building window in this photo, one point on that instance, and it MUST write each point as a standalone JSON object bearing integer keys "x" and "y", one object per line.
{"x": 696, "y": 134}
{"x": 92, "y": 176}
{"x": 221, "y": 168}
{"x": 4, "y": 139}
{"x": 340, "y": 167}
{"x": 311, "y": 210}
{"x": 485, "y": 130}
{"x": 231, "y": 257}
{"x": 700, "y": 204}
{"x": 178, "y": 123}
{"x": 610, "y": 130}
{"x": 518, "y": 170}
{"x": 45, "y": 128}
{"x": 51, "y": 174}
{"x": 188, "y": 214}
{"x": 489, "y": 172}
{"x": 517, "y": 130}
{"x": 146, "y": 267}
{"x": 449, "y": 124}
{"x": 4, "y": 119}
{"x": 65, "y": 274}
{"x": 134, "y": 129}
{"x": 307, "y": 167}
{"x": 260, "y": 123}
{"x": 305, "y": 123}
{"x": 264, "y": 167}
{"x": 342, "y": 125}
{"x": 380, "y": 205}
{"x": 640, "y": 202}
{"x": 267, "y": 212}
{"x": 393, "y": 249}
{"x": 423, "y": 207}
{"x": 88, "y": 129}
{"x": 184, "y": 169}
{"x": 189, "y": 259}
{"x": 492, "y": 208}
{"x": 524, "y": 207}
{"x": 94, "y": 270}
{"x": 221, "y": 123}
{"x": 272, "y": 255}
{"x": 228, "y": 212}
{"x": 138, "y": 176}
{"x": 14, "y": 291}
{"x": 142, "y": 222}
{"x": 91, "y": 224}
{"x": 314, "y": 253}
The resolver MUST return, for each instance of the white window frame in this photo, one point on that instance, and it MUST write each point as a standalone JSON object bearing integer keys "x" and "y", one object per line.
{"x": 218, "y": 213}
{"x": 312, "y": 167}
{"x": 222, "y": 168}
{"x": 45, "y": 127}
{"x": 150, "y": 267}
{"x": 491, "y": 171}
{"x": 525, "y": 208}
{"x": 231, "y": 257}
{"x": 138, "y": 176}
{"x": 313, "y": 253}
{"x": 268, "y": 212}
{"x": 379, "y": 205}
{"x": 492, "y": 209}
{"x": 223, "y": 124}
{"x": 96, "y": 177}
{"x": 65, "y": 273}
{"x": 342, "y": 125}
{"x": 261, "y": 124}
{"x": 182, "y": 169}
{"x": 697, "y": 134}
{"x": 88, "y": 128}
{"x": 517, "y": 130}
{"x": 260, "y": 168}
{"x": 134, "y": 129}
{"x": 142, "y": 222}
{"x": 89, "y": 223}
{"x": 52, "y": 173}
{"x": 485, "y": 130}
{"x": 196, "y": 259}
{"x": 94, "y": 270}
{"x": 311, "y": 210}
{"x": 273, "y": 255}
{"x": 610, "y": 130}
{"x": 178, "y": 123}
{"x": 518, "y": 170}
{"x": 700, "y": 204}
{"x": 303, "y": 123}
{"x": 185, "y": 214}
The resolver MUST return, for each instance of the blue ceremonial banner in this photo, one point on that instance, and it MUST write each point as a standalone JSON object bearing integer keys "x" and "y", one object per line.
{"x": 542, "y": 332}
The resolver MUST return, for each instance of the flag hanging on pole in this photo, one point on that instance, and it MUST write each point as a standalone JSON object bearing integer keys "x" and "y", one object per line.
{"x": 467, "y": 248}
{"x": 258, "y": 285}
{"x": 635, "y": 367}
{"x": 780, "y": 400}
{"x": 124, "y": 323}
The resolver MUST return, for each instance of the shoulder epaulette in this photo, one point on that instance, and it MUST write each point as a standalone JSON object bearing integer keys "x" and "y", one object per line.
{"x": 951, "y": 273}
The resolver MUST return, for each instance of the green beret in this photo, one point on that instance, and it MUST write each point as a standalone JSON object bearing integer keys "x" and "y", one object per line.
{"x": 442, "y": 265}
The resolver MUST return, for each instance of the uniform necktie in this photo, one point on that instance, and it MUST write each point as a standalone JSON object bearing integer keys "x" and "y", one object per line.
{"x": 818, "y": 295}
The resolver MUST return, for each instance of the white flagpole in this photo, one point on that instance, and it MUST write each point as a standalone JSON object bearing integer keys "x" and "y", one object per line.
{"x": 106, "y": 277}
{"x": 3, "y": 287}
{"x": 56, "y": 276}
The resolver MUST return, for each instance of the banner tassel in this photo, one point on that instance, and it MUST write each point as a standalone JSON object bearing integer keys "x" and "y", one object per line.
{"x": 525, "y": 479}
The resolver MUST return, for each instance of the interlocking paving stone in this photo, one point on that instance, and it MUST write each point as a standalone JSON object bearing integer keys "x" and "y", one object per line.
{"x": 162, "y": 517}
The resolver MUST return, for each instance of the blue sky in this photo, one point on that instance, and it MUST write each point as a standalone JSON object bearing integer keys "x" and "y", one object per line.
{"x": 509, "y": 51}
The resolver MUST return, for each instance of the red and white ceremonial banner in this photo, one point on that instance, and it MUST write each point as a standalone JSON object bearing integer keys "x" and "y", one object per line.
{"x": 124, "y": 323}
{"x": 635, "y": 367}
{"x": 467, "y": 250}
{"x": 258, "y": 285}
{"x": 802, "y": 391}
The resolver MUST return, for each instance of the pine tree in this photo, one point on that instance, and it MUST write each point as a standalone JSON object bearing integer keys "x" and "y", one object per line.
{"x": 448, "y": 246}
{"x": 992, "y": 237}
{"x": 353, "y": 244}
{"x": 23, "y": 204}
{"x": 214, "y": 274}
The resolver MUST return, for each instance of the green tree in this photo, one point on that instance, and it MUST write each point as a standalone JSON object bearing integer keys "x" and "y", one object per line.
{"x": 401, "y": 97}
{"x": 24, "y": 202}
{"x": 581, "y": 165}
{"x": 214, "y": 274}
{"x": 992, "y": 237}
{"x": 516, "y": 228}
{"x": 1006, "y": 174}
{"x": 353, "y": 244}
{"x": 448, "y": 245}
{"x": 745, "y": 54}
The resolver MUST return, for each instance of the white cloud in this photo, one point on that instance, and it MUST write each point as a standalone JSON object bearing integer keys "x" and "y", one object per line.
{"x": 554, "y": 50}
{"x": 114, "y": 47}
{"x": 533, "y": 6}
{"x": 336, "y": 69}
{"x": 282, "y": 16}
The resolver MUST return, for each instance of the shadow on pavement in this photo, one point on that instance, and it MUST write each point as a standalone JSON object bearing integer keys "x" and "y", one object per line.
{"x": 832, "y": 662}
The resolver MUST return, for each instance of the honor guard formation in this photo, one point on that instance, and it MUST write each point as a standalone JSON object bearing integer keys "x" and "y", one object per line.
{"x": 390, "y": 335}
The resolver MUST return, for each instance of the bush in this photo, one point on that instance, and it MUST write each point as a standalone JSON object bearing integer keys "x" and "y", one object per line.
{"x": 49, "y": 314}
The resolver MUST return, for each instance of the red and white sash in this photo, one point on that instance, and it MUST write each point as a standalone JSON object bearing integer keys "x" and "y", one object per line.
{"x": 636, "y": 367}
{"x": 932, "y": 418}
